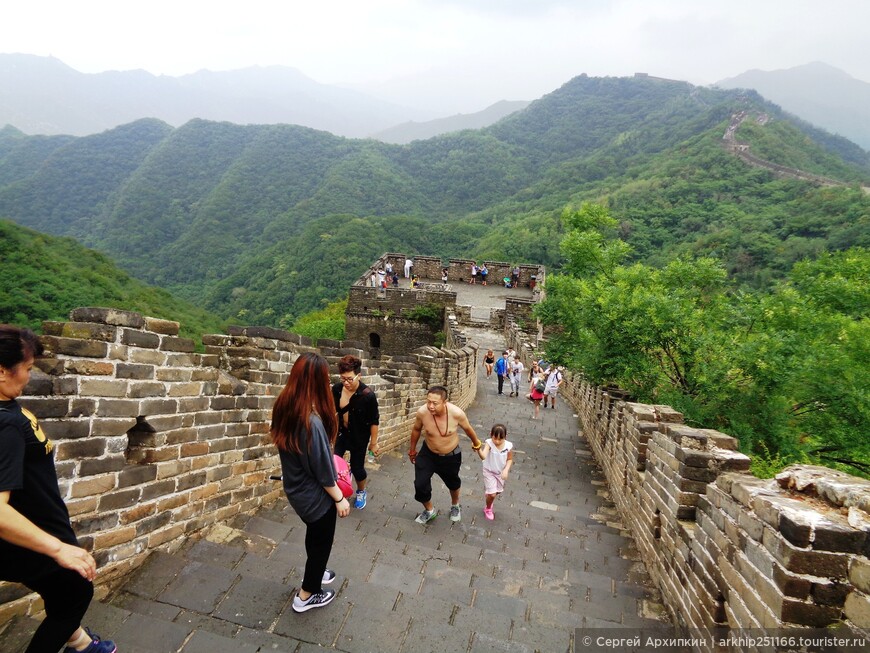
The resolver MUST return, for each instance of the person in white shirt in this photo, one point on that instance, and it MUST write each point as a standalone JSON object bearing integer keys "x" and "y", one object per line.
{"x": 554, "y": 380}
{"x": 498, "y": 458}
{"x": 516, "y": 375}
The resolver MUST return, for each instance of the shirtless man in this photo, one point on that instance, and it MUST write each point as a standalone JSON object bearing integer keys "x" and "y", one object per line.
{"x": 440, "y": 453}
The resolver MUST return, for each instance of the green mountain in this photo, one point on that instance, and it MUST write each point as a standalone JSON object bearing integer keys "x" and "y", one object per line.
{"x": 824, "y": 95}
{"x": 45, "y": 277}
{"x": 265, "y": 223}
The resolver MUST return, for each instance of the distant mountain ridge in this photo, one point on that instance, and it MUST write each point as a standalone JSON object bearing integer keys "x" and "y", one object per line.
{"x": 415, "y": 131}
{"x": 262, "y": 223}
{"x": 816, "y": 92}
{"x": 42, "y": 95}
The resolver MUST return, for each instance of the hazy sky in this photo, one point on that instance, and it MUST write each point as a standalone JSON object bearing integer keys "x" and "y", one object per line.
{"x": 454, "y": 55}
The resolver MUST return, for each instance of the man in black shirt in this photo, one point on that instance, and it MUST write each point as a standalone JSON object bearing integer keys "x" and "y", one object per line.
{"x": 358, "y": 420}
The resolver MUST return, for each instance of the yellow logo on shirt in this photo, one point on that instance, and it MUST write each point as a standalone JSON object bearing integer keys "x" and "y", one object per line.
{"x": 37, "y": 430}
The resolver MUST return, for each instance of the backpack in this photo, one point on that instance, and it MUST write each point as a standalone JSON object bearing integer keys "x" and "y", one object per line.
{"x": 541, "y": 385}
{"x": 342, "y": 475}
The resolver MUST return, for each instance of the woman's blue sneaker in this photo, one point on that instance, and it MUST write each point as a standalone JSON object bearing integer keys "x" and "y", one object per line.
{"x": 361, "y": 497}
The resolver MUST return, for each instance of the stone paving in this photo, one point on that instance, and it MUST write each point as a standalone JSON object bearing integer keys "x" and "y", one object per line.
{"x": 554, "y": 559}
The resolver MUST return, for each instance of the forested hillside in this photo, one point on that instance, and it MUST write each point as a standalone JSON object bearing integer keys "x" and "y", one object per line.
{"x": 45, "y": 277}
{"x": 262, "y": 224}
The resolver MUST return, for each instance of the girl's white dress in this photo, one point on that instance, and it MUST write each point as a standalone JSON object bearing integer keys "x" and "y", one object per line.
{"x": 493, "y": 465}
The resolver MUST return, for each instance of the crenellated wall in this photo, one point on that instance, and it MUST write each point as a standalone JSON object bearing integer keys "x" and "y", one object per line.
{"x": 154, "y": 441}
{"x": 725, "y": 548}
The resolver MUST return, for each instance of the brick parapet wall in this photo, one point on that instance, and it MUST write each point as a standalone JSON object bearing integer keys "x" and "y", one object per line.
{"x": 154, "y": 441}
{"x": 724, "y": 547}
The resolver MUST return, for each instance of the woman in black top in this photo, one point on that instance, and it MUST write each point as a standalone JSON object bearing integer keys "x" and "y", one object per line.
{"x": 488, "y": 362}
{"x": 38, "y": 547}
{"x": 304, "y": 426}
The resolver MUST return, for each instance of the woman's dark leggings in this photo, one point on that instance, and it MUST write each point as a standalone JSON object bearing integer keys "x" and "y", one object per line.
{"x": 319, "y": 536}
{"x": 66, "y": 596}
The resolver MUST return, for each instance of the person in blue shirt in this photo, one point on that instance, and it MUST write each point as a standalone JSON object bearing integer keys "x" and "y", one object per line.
{"x": 501, "y": 370}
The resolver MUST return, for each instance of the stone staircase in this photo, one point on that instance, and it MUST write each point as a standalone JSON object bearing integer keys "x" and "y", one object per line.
{"x": 554, "y": 560}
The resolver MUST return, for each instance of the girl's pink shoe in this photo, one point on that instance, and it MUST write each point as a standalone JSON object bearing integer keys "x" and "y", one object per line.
{"x": 487, "y": 512}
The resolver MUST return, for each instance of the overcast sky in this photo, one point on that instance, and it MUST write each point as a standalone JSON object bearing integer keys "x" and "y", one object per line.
{"x": 453, "y": 55}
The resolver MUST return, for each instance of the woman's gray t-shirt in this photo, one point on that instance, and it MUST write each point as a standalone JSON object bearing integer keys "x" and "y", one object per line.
{"x": 306, "y": 475}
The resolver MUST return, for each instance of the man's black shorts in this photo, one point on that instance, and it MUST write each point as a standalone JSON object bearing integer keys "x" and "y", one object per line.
{"x": 428, "y": 463}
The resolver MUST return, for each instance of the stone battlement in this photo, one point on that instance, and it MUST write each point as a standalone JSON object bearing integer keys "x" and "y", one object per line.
{"x": 155, "y": 441}
{"x": 725, "y": 548}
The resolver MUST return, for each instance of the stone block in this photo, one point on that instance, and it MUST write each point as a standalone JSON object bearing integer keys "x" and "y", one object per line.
{"x": 119, "y": 499}
{"x": 76, "y": 449}
{"x": 142, "y": 339}
{"x": 804, "y": 561}
{"x": 110, "y": 316}
{"x": 104, "y": 465}
{"x": 112, "y": 425}
{"x": 173, "y": 344}
{"x": 136, "y": 475}
{"x": 164, "y": 327}
{"x": 103, "y": 388}
{"x": 135, "y": 371}
{"x": 857, "y": 609}
{"x": 61, "y": 429}
{"x": 143, "y": 389}
{"x": 82, "y": 407}
{"x": 74, "y": 347}
{"x": 88, "y": 367}
{"x": 47, "y": 407}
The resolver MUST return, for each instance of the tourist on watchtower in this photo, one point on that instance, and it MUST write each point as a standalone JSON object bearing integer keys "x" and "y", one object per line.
{"x": 484, "y": 273}
{"x": 474, "y": 271}
{"x": 358, "y": 420}
{"x": 515, "y": 276}
{"x": 440, "y": 453}
{"x": 304, "y": 427}
{"x": 408, "y": 265}
{"x": 38, "y": 547}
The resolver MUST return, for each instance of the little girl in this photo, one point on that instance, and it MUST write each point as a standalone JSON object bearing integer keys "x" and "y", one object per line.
{"x": 497, "y": 460}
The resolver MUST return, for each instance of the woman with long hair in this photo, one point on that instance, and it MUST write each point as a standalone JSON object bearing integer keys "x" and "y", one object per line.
{"x": 304, "y": 426}
{"x": 38, "y": 547}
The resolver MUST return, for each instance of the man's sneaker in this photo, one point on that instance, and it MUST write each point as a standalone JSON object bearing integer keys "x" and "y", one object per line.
{"x": 328, "y": 576}
{"x": 487, "y": 512}
{"x": 97, "y": 645}
{"x": 360, "y": 502}
{"x": 426, "y": 516}
{"x": 455, "y": 513}
{"x": 317, "y": 600}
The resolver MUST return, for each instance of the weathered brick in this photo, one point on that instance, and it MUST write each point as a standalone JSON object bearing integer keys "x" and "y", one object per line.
{"x": 158, "y": 489}
{"x": 857, "y": 609}
{"x": 48, "y": 407}
{"x": 112, "y": 425}
{"x": 120, "y": 499}
{"x": 142, "y": 339}
{"x": 75, "y": 449}
{"x": 114, "y": 537}
{"x": 103, "y": 388}
{"x": 88, "y": 368}
{"x": 111, "y": 316}
{"x": 165, "y": 327}
{"x": 136, "y": 475}
{"x": 74, "y": 347}
{"x": 137, "y": 512}
{"x": 61, "y": 429}
{"x": 184, "y": 345}
{"x": 140, "y": 389}
{"x": 135, "y": 371}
